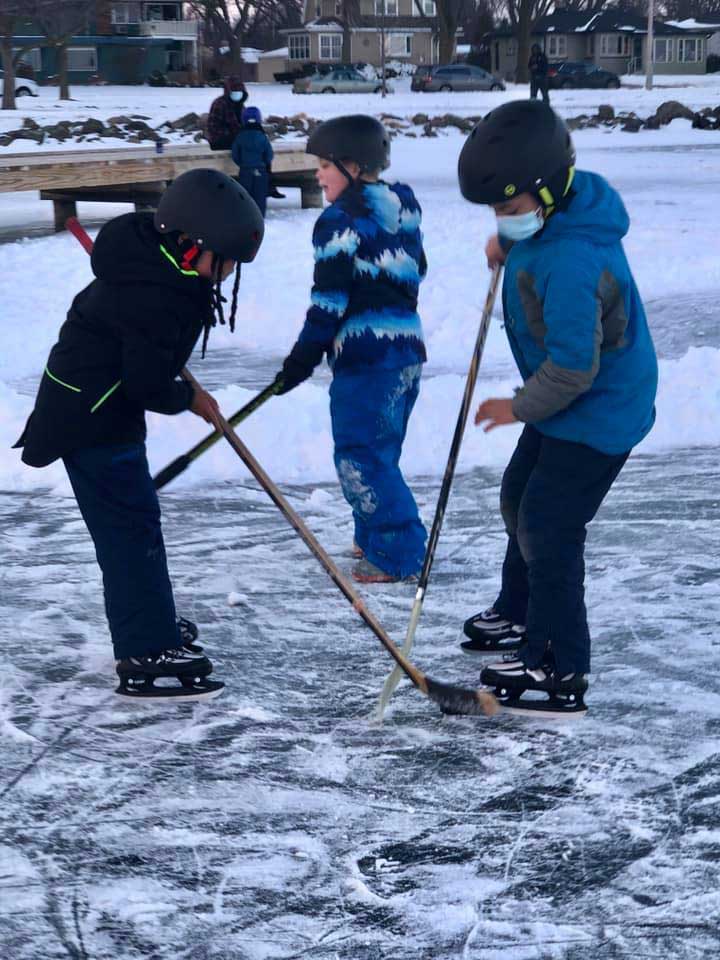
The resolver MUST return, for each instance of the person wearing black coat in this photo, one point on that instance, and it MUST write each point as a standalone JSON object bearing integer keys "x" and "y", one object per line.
{"x": 538, "y": 67}
{"x": 126, "y": 338}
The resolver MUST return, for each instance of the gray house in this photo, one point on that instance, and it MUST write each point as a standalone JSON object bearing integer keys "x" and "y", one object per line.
{"x": 409, "y": 36}
{"x": 610, "y": 39}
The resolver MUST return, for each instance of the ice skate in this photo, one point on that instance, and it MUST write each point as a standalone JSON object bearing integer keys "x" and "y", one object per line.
{"x": 366, "y": 572}
{"x": 539, "y": 692}
{"x": 188, "y": 635}
{"x": 488, "y": 632}
{"x": 182, "y": 675}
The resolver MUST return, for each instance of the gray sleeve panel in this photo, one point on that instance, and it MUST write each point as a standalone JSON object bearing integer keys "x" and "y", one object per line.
{"x": 553, "y": 388}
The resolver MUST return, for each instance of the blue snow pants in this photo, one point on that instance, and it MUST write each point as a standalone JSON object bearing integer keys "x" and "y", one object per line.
{"x": 119, "y": 505}
{"x": 257, "y": 183}
{"x": 370, "y": 408}
{"x": 550, "y": 491}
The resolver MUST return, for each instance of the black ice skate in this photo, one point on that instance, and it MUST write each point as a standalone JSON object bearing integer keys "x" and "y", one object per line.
{"x": 515, "y": 687}
{"x": 488, "y": 632}
{"x": 182, "y": 675}
{"x": 188, "y": 635}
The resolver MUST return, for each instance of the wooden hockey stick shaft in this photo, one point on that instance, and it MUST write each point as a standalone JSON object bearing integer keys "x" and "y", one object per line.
{"x": 444, "y": 495}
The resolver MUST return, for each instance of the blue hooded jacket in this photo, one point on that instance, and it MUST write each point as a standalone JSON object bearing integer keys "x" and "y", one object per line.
{"x": 369, "y": 262}
{"x": 577, "y": 327}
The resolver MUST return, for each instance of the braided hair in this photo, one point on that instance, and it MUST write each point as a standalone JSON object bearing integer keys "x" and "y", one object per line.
{"x": 216, "y": 314}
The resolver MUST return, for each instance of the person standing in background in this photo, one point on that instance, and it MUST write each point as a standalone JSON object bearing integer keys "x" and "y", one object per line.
{"x": 538, "y": 67}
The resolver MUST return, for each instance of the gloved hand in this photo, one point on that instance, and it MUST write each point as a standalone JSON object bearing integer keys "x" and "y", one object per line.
{"x": 299, "y": 365}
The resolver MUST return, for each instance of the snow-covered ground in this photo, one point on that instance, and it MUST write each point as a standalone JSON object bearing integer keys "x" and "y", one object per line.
{"x": 169, "y": 103}
{"x": 273, "y": 822}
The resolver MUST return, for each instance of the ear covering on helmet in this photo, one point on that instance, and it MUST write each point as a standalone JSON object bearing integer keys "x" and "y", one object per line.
{"x": 520, "y": 147}
{"x": 215, "y": 212}
{"x": 357, "y": 137}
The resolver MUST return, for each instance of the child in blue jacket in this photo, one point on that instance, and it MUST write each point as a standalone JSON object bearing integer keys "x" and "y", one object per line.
{"x": 369, "y": 261}
{"x": 253, "y": 153}
{"x": 578, "y": 332}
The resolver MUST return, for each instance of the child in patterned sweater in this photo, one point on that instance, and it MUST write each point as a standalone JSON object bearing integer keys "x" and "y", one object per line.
{"x": 369, "y": 262}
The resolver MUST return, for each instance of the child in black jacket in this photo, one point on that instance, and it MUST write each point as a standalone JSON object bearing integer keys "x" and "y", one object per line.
{"x": 126, "y": 338}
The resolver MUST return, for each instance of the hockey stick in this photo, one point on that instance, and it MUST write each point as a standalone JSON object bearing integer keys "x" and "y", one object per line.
{"x": 181, "y": 463}
{"x": 394, "y": 678}
{"x": 450, "y": 699}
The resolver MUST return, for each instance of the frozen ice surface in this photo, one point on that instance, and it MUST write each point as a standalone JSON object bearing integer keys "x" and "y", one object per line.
{"x": 275, "y": 822}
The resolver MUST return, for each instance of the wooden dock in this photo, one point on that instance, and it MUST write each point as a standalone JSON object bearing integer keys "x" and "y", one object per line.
{"x": 137, "y": 175}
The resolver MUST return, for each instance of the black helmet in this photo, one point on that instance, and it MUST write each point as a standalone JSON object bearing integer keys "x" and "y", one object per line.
{"x": 215, "y": 212}
{"x": 519, "y": 147}
{"x": 358, "y": 137}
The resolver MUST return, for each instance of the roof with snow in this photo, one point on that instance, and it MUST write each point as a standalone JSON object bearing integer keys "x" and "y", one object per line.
{"x": 607, "y": 21}
{"x": 710, "y": 26}
{"x": 279, "y": 52}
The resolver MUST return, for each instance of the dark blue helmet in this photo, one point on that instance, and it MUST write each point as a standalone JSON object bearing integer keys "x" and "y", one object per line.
{"x": 251, "y": 115}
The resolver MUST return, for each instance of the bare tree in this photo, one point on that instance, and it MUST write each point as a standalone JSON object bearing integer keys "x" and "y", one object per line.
{"x": 350, "y": 18}
{"x": 12, "y": 14}
{"x": 523, "y": 16}
{"x": 227, "y": 23}
{"x": 58, "y": 22}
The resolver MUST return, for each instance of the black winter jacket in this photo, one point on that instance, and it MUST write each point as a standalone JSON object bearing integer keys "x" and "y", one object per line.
{"x": 126, "y": 338}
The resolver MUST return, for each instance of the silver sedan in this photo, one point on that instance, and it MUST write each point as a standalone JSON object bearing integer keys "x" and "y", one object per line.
{"x": 338, "y": 80}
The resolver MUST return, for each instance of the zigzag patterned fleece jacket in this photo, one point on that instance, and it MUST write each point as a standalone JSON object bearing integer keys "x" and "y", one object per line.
{"x": 369, "y": 262}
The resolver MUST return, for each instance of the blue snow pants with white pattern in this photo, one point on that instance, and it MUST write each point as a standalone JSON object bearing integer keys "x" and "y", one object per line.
{"x": 370, "y": 408}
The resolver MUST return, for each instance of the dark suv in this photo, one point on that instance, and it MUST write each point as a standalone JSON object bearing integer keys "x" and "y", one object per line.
{"x": 573, "y": 73}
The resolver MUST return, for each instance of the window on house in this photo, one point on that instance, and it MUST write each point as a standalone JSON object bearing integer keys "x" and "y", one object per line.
{"x": 555, "y": 46}
{"x": 82, "y": 59}
{"x": 330, "y": 46}
{"x": 590, "y": 44}
{"x": 299, "y": 46}
{"x": 398, "y": 44}
{"x": 123, "y": 13}
{"x": 663, "y": 50}
{"x": 689, "y": 49}
{"x": 31, "y": 58}
{"x": 615, "y": 45}
{"x": 429, "y": 8}
{"x": 391, "y": 8}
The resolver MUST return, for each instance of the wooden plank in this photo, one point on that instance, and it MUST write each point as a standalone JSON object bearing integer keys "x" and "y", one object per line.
{"x": 55, "y": 170}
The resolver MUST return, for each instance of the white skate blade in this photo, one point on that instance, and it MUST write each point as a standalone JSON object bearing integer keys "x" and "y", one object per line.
{"x": 542, "y": 712}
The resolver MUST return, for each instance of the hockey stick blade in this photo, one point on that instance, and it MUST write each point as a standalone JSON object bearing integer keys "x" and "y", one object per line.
{"x": 460, "y": 700}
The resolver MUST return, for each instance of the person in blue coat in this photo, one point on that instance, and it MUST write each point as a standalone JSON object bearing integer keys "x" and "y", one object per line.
{"x": 369, "y": 262}
{"x": 578, "y": 332}
{"x": 253, "y": 153}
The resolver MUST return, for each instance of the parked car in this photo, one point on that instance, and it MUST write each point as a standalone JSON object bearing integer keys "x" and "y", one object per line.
{"x": 571, "y": 73}
{"x": 421, "y": 75}
{"x": 339, "y": 80}
{"x": 456, "y": 76}
{"x": 23, "y": 87}
{"x": 304, "y": 70}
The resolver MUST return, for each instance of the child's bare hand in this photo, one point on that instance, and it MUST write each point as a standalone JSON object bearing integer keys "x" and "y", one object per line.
{"x": 494, "y": 252}
{"x": 497, "y": 411}
{"x": 206, "y": 406}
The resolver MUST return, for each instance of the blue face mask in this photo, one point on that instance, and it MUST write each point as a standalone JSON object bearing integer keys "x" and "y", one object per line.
{"x": 236, "y": 95}
{"x": 521, "y": 225}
